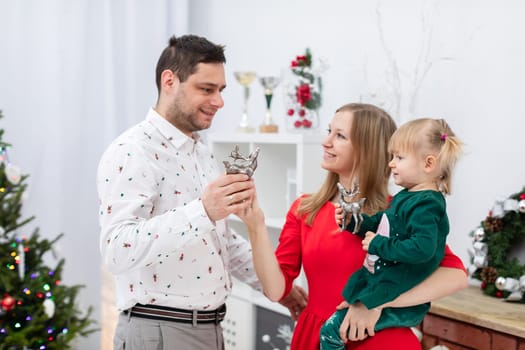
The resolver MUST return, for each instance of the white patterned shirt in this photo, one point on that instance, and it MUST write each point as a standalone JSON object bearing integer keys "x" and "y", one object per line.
{"x": 156, "y": 237}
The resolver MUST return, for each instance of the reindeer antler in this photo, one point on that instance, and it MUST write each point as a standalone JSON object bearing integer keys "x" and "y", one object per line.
{"x": 235, "y": 153}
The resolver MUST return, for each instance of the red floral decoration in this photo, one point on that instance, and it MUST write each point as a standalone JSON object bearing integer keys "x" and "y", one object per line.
{"x": 305, "y": 99}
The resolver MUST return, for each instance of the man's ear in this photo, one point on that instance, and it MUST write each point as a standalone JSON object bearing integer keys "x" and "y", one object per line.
{"x": 430, "y": 163}
{"x": 169, "y": 80}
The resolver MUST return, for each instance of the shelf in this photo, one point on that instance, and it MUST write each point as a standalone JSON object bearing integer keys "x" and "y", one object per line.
{"x": 244, "y": 292}
{"x": 277, "y": 138}
{"x": 288, "y": 166}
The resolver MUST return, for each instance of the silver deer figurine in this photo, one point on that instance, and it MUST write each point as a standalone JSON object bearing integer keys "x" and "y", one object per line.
{"x": 240, "y": 163}
{"x": 349, "y": 206}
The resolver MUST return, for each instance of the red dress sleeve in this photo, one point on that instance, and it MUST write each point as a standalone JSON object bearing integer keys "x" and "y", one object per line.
{"x": 289, "y": 250}
{"x": 452, "y": 260}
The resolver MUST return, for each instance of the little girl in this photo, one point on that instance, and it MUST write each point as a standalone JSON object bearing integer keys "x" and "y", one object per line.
{"x": 406, "y": 242}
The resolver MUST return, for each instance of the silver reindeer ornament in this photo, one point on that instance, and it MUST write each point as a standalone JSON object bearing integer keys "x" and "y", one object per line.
{"x": 240, "y": 163}
{"x": 349, "y": 206}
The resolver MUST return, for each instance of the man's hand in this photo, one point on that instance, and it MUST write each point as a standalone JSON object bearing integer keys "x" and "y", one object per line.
{"x": 359, "y": 322}
{"x": 295, "y": 301}
{"x": 227, "y": 194}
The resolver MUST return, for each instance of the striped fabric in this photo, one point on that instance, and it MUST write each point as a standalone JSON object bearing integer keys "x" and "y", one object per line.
{"x": 163, "y": 313}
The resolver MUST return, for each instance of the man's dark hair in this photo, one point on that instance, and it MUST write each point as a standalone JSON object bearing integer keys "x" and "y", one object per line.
{"x": 184, "y": 53}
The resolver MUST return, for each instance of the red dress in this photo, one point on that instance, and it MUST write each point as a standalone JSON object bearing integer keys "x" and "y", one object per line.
{"x": 329, "y": 257}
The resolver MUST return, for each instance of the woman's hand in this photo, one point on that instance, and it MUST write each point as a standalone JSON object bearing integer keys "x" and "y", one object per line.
{"x": 252, "y": 216}
{"x": 339, "y": 214}
{"x": 359, "y": 322}
{"x": 295, "y": 301}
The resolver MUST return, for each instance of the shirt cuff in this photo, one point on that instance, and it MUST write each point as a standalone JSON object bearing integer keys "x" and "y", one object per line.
{"x": 197, "y": 215}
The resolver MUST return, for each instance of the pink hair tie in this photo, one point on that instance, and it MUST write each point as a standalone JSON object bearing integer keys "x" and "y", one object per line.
{"x": 443, "y": 137}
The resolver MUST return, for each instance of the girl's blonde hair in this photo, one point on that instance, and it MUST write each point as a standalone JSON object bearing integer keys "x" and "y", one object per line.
{"x": 434, "y": 136}
{"x": 371, "y": 130}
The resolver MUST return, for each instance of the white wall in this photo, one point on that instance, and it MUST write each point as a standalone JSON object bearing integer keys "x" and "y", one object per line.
{"x": 472, "y": 51}
{"x": 75, "y": 74}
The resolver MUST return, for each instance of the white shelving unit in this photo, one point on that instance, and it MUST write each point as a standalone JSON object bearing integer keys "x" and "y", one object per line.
{"x": 288, "y": 166}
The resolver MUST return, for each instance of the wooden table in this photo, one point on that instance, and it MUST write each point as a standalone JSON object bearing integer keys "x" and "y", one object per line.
{"x": 471, "y": 320}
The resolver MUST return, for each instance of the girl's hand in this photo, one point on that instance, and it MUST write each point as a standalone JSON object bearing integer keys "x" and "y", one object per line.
{"x": 368, "y": 239}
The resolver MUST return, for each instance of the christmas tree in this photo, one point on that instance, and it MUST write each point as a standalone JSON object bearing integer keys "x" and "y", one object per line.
{"x": 37, "y": 311}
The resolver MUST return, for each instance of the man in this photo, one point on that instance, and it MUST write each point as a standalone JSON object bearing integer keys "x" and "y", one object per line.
{"x": 162, "y": 208}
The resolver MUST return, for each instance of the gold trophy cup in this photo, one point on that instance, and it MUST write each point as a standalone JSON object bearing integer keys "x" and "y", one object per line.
{"x": 245, "y": 78}
{"x": 269, "y": 84}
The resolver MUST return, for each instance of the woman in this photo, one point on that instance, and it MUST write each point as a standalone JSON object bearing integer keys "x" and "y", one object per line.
{"x": 355, "y": 152}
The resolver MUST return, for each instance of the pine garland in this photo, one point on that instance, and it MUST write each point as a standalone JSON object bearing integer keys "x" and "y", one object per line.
{"x": 501, "y": 236}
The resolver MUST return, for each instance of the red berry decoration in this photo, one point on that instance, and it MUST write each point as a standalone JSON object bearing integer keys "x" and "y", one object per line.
{"x": 483, "y": 285}
{"x": 8, "y": 303}
{"x": 499, "y": 294}
{"x": 303, "y": 94}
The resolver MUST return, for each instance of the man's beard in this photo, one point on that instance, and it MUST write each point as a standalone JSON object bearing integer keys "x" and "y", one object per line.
{"x": 184, "y": 120}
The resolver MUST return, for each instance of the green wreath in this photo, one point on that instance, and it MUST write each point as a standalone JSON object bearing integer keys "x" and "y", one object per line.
{"x": 493, "y": 240}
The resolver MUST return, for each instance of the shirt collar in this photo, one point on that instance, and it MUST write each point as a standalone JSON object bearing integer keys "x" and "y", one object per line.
{"x": 170, "y": 131}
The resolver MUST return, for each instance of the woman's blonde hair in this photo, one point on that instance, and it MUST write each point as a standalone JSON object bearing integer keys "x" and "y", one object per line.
{"x": 434, "y": 136}
{"x": 370, "y": 133}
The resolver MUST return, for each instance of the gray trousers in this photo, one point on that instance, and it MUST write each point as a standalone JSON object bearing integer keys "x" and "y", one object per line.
{"x": 134, "y": 333}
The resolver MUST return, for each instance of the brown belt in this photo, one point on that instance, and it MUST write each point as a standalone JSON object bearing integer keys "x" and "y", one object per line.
{"x": 164, "y": 313}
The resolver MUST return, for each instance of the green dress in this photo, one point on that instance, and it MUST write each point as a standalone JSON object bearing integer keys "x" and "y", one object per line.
{"x": 412, "y": 249}
{"x": 418, "y": 230}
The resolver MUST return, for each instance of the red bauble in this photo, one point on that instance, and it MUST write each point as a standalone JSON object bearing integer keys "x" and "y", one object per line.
{"x": 499, "y": 294}
{"x": 8, "y": 303}
{"x": 307, "y": 123}
{"x": 291, "y": 112}
{"x": 483, "y": 285}
{"x": 303, "y": 94}
{"x": 302, "y": 113}
{"x": 297, "y": 124}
